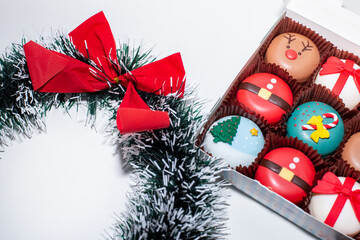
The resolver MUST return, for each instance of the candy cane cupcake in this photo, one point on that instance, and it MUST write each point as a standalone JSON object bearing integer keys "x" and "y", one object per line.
{"x": 318, "y": 125}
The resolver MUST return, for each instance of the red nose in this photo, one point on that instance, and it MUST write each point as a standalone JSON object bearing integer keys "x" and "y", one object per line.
{"x": 291, "y": 54}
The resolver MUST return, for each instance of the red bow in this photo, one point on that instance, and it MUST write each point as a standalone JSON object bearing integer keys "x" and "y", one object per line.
{"x": 335, "y": 65}
{"x": 330, "y": 184}
{"x": 51, "y": 71}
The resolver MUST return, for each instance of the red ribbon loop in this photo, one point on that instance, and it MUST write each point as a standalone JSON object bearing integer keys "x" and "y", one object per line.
{"x": 134, "y": 115}
{"x": 334, "y": 65}
{"x": 94, "y": 39}
{"x": 55, "y": 72}
{"x": 51, "y": 71}
{"x": 330, "y": 184}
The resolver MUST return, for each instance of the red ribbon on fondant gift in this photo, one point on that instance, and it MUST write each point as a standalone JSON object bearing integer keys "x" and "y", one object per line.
{"x": 334, "y": 65}
{"x": 51, "y": 71}
{"x": 330, "y": 184}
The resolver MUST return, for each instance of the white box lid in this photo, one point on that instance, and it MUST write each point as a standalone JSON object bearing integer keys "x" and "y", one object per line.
{"x": 328, "y": 18}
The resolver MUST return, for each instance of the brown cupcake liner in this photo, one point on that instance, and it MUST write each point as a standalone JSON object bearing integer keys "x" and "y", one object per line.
{"x": 274, "y": 141}
{"x": 354, "y": 124}
{"x": 321, "y": 94}
{"x": 227, "y": 111}
{"x": 256, "y": 66}
{"x": 295, "y": 87}
{"x": 288, "y": 25}
{"x": 343, "y": 169}
{"x": 313, "y": 75}
{"x": 351, "y": 127}
{"x": 341, "y": 54}
{"x": 318, "y": 176}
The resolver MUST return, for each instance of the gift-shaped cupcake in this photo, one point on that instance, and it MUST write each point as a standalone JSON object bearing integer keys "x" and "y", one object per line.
{"x": 342, "y": 77}
{"x": 336, "y": 202}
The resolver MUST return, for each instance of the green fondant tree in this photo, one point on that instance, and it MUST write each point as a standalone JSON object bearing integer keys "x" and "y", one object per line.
{"x": 225, "y": 131}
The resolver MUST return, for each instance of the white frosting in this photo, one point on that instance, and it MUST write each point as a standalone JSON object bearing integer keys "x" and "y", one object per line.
{"x": 269, "y": 86}
{"x": 230, "y": 155}
{"x": 321, "y": 204}
{"x": 350, "y": 94}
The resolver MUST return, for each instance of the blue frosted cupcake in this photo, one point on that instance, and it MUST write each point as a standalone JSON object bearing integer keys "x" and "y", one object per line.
{"x": 235, "y": 139}
{"x": 317, "y": 124}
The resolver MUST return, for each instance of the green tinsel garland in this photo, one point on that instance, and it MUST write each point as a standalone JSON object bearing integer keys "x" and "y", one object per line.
{"x": 177, "y": 193}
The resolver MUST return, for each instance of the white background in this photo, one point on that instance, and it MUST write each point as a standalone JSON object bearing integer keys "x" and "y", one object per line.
{"x": 68, "y": 183}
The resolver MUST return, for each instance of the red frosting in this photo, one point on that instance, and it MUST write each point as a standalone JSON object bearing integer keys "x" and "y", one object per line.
{"x": 269, "y": 84}
{"x": 294, "y": 164}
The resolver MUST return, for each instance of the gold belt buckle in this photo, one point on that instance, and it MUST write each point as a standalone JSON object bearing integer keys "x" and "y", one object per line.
{"x": 264, "y": 93}
{"x": 286, "y": 174}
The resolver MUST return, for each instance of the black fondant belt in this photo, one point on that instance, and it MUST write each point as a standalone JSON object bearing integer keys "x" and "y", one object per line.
{"x": 265, "y": 94}
{"x": 285, "y": 174}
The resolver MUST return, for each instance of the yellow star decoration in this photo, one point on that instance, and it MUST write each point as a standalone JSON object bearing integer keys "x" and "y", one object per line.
{"x": 254, "y": 132}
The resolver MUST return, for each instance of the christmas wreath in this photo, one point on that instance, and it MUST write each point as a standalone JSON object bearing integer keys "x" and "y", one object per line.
{"x": 177, "y": 193}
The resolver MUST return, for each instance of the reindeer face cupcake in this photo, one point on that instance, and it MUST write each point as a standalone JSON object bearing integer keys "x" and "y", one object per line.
{"x": 295, "y": 53}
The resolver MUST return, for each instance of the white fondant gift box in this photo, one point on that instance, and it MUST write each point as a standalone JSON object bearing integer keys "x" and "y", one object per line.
{"x": 242, "y": 130}
{"x": 342, "y": 77}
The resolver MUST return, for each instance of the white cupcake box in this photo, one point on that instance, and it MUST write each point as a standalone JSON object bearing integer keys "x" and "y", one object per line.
{"x": 342, "y": 28}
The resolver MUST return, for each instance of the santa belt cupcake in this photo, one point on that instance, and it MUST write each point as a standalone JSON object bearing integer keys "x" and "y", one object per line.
{"x": 286, "y": 174}
{"x": 266, "y": 95}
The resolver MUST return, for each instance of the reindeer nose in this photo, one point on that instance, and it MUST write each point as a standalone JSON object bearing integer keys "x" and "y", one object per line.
{"x": 291, "y": 54}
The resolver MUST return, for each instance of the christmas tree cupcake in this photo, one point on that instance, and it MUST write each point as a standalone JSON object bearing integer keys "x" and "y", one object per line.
{"x": 235, "y": 139}
{"x": 318, "y": 125}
